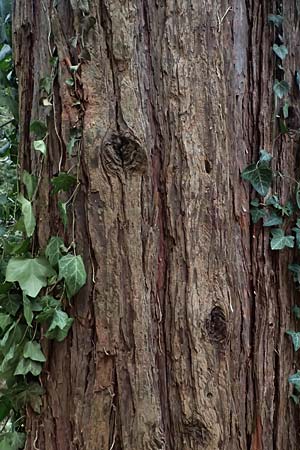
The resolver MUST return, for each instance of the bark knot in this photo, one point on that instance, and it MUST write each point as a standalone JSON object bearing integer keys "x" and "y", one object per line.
{"x": 216, "y": 326}
{"x": 122, "y": 151}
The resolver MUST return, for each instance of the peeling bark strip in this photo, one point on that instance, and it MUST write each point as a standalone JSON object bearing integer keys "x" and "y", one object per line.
{"x": 178, "y": 341}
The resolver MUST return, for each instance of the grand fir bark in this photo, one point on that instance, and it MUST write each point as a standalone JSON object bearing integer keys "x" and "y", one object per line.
{"x": 178, "y": 341}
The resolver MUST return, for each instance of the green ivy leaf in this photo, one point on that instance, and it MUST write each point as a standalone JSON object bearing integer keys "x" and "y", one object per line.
{"x": 6, "y": 363}
{"x": 298, "y": 195}
{"x": 255, "y": 202}
{"x": 5, "y": 51}
{"x": 30, "y": 182}
{"x": 72, "y": 269}
{"x": 5, "y": 407}
{"x": 257, "y": 214}
{"x": 276, "y": 19}
{"x": 260, "y": 176}
{"x": 10, "y": 303}
{"x": 40, "y": 146}
{"x": 280, "y": 50}
{"x": 296, "y": 309}
{"x": 54, "y": 249}
{"x": 74, "y": 69}
{"x": 285, "y": 110}
{"x": 280, "y": 241}
{"x": 63, "y": 182}
{"x": 297, "y": 79}
{"x": 25, "y": 394}
{"x": 27, "y": 365}
{"x": 281, "y": 88}
{"x": 295, "y": 379}
{"x": 5, "y": 321}
{"x": 49, "y": 306}
{"x": 287, "y": 209}
{"x": 33, "y": 351}
{"x": 295, "y": 268}
{"x": 17, "y": 440}
{"x": 295, "y": 398}
{"x": 31, "y": 274}
{"x": 273, "y": 220}
{"x": 62, "y": 207}
{"x": 28, "y": 314}
{"x": 265, "y": 157}
{"x": 273, "y": 200}
{"x": 70, "y": 82}
{"x": 295, "y": 338}
{"x": 297, "y": 233}
{"x": 46, "y": 85}
{"x": 38, "y": 128}
{"x": 60, "y": 326}
{"x": 28, "y": 216}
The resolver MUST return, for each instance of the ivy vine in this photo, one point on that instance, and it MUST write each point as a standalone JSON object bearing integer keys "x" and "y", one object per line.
{"x": 35, "y": 284}
{"x": 282, "y": 218}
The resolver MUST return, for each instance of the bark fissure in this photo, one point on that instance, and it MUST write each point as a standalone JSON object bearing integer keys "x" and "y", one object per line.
{"x": 172, "y": 347}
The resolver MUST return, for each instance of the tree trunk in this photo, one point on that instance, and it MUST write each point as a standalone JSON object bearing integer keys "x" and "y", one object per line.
{"x": 179, "y": 334}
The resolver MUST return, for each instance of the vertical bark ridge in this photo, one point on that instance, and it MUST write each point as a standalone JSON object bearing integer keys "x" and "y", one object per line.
{"x": 176, "y": 332}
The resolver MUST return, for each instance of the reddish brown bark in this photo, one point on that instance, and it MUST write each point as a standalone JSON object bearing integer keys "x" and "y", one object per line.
{"x": 178, "y": 341}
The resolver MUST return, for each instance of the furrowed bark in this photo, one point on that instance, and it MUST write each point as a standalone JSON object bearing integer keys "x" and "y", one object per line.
{"x": 178, "y": 341}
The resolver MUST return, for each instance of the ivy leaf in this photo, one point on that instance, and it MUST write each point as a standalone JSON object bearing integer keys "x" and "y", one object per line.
{"x": 30, "y": 182}
{"x": 296, "y": 309}
{"x": 280, "y": 50}
{"x": 295, "y": 338}
{"x": 28, "y": 314}
{"x": 72, "y": 269}
{"x": 33, "y": 351}
{"x": 54, "y": 249}
{"x": 29, "y": 219}
{"x": 260, "y": 176}
{"x": 265, "y": 156}
{"x": 74, "y": 69}
{"x": 63, "y": 182}
{"x": 49, "y": 306}
{"x": 297, "y": 78}
{"x": 60, "y": 326}
{"x": 31, "y": 274}
{"x": 6, "y": 363}
{"x": 281, "y": 88}
{"x": 62, "y": 207}
{"x": 280, "y": 241}
{"x": 5, "y": 407}
{"x": 276, "y": 19}
{"x": 285, "y": 110}
{"x": 38, "y": 128}
{"x": 27, "y": 365}
{"x": 287, "y": 209}
{"x": 40, "y": 146}
{"x": 255, "y": 202}
{"x": 272, "y": 220}
{"x": 17, "y": 440}
{"x": 27, "y": 394}
{"x": 257, "y": 214}
{"x": 295, "y": 398}
{"x": 5, "y": 51}
{"x": 298, "y": 195}
{"x": 46, "y": 85}
{"x": 273, "y": 201}
{"x": 70, "y": 82}
{"x": 295, "y": 268}
{"x": 297, "y": 233}
{"x": 5, "y": 320}
{"x": 295, "y": 379}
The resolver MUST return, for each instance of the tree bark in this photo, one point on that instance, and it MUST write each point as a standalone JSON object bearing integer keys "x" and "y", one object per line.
{"x": 179, "y": 335}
